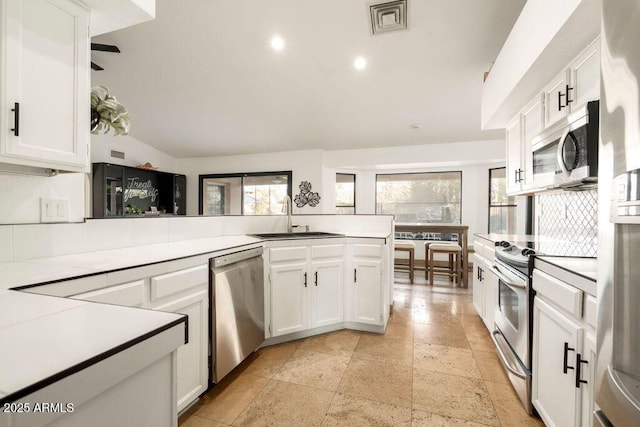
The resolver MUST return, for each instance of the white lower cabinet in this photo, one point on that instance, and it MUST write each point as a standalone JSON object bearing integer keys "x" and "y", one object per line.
{"x": 175, "y": 286}
{"x": 556, "y": 340}
{"x": 564, "y": 351}
{"x": 289, "y": 311}
{"x": 367, "y": 292}
{"x": 485, "y": 284}
{"x": 306, "y": 284}
{"x": 193, "y": 363}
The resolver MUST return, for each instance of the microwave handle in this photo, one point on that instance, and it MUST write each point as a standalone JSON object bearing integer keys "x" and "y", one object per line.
{"x": 559, "y": 156}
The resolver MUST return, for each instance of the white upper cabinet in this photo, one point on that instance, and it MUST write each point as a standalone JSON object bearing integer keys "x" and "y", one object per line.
{"x": 585, "y": 76}
{"x": 514, "y": 156}
{"x": 555, "y": 99}
{"x": 45, "y": 84}
{"x": 547, "y": 34}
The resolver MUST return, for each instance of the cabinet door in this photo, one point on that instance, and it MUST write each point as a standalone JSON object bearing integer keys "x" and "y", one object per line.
{"x": 531, "y": 127}
{"x": 514, "y": 156}
{"x": 478, "y": 287}
{"x": 490, "y": 281}
{"x": 326, "y": 293}
{"x": 556, "y": 341}
{"x": 289, "y": 310}
{"x": 585, "y": 76}
{"x": 46, "y": 81}
{"x": 193, "y": 357}
{"x": 367, "y": 291}
{"x": 555, "y": 102}
{"x": 587, "y": 373}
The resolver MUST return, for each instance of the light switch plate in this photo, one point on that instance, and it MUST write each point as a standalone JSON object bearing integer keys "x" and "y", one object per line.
{"x": 54, "y": 210}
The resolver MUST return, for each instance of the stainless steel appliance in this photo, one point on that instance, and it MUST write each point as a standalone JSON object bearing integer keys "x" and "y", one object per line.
{"x": 512, "y": 334}
{"x": 237, "y": 309}
{"x": 566, "y": 155}
{"x": 617, "y": 385}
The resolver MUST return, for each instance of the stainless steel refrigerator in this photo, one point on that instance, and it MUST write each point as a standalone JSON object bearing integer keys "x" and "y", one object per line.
{"x": 617, "y": 384}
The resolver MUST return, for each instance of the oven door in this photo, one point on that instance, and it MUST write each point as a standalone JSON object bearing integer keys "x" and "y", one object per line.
{"x": 512, "y": 312}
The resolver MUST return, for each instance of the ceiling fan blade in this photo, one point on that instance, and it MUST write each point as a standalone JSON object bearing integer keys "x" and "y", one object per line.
{"x": 96, "y": 67}
{"x": 105, "y": 47}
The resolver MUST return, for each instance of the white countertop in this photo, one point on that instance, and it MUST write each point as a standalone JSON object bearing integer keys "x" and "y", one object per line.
{"x": 43, "y": 336}
{"x": 42, "y": 270}
{"x": 585, "y": 267}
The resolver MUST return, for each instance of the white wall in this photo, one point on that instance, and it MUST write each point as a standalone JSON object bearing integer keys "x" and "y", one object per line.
{"x": 20, "y": 196}
{"x": 136, "y": 152}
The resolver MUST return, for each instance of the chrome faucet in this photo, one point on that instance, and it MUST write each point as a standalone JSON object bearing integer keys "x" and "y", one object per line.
{"x": 286, "y": 207}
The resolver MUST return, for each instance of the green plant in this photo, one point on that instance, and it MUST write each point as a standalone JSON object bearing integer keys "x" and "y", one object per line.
{"x": 113, "y": 115}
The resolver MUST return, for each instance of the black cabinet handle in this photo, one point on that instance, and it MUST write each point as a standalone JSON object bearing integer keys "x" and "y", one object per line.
{"x": 565, "y": 365}
{"x": 560, "y": 106}
{"x": 579, "y": 362}
{"x": 316, "y": 278}
{"x": 516, "y": 175}
{"x": 305, "y": 279}
{"x": 566, "y": 91}
{"x": 16, "y": 118}
{"x": 355, "y": 275}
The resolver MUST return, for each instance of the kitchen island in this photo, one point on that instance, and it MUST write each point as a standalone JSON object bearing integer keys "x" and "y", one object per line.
{"x": 76, "y": 363}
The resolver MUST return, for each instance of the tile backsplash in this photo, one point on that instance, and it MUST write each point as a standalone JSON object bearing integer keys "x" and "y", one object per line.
{"x": 568, "y": 223}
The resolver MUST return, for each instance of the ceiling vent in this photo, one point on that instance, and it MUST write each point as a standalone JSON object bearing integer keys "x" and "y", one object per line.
{"x": 389, "y": 16}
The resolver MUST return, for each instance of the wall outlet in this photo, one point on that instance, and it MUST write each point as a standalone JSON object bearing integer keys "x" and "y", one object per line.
{"x": 54, "y": 210}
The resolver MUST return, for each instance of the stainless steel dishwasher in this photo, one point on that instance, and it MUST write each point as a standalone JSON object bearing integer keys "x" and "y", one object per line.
{"x": 237, "y": 309}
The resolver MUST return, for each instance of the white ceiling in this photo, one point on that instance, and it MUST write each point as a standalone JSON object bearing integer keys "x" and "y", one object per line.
{"x": 202, "y": 79}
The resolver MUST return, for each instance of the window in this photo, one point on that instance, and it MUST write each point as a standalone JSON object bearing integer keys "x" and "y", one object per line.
{"x": 345, "y": 193}
{"x": 502, "y": 208}
{"x": 430, "y": 197}
{"x": 260, "y": 193}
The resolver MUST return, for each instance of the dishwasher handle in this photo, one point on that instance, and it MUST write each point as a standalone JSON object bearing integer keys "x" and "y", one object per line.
{"x": 236, "y": 257}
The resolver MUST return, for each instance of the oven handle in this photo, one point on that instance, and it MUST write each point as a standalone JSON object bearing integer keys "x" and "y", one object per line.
{"x": 506, "y": 280}
{"x": 503, "y": 357}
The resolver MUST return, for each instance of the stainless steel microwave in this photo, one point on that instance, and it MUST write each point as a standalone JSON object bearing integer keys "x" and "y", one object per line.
{"x": 566, "y": 155}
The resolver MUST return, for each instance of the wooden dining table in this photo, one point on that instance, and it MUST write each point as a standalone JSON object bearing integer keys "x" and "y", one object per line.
{"x": 461, "y": 230}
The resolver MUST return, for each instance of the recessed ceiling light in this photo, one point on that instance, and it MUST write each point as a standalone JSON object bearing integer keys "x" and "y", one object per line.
{"x": 415, "y": 125}
{"x": 277, "y": 43}
{"x": 360, "y": 63}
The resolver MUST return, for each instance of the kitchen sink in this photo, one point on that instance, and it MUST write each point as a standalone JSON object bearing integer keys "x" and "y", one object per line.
{"x": 302, "y": 235}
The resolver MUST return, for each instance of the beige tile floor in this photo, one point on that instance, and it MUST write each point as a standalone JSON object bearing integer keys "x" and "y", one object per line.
{"x": 434, "y": 366}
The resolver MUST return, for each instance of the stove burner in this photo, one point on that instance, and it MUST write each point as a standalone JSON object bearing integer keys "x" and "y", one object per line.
{"x": 528, "y": 252}
{"x": 503, "y": 244}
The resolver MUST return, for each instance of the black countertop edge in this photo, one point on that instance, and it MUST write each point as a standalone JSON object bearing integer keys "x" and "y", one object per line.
{"x": 13, "y": 397}
{"x": 577, "y": 273}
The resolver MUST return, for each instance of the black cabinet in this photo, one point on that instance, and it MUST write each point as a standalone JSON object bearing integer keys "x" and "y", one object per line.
{"x": 127, "y": 191}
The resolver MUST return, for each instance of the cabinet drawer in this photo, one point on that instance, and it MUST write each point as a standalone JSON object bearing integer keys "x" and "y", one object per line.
{"x": 128, "y": 294}
{"x": 287, "y": 254}
{"x": 175, "y": 282}
{"x": 558, "y": 292}
{"x": 327, "y": 251}
{"x": 71, "y": 287}
{"x": 374, "y": 251}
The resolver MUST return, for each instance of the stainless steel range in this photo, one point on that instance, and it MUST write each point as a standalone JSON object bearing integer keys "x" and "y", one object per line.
{"x": 513, "y": 316}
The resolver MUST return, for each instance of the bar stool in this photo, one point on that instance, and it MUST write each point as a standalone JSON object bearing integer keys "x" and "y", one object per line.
{"x": 426, "y": 257}
{"x": 454, "y": 252}
{"x": 409, "y": 247}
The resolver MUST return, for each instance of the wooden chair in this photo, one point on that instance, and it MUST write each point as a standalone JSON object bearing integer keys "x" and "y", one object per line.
{"x": 400, "y": 265}
{"x": 454, "y": 269}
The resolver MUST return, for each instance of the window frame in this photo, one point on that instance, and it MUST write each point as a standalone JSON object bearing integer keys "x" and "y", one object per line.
{"x": 240, "y": 175}
{"x": 354, "y": 193}
{"x": 507, "y": 205}
{"x": 421, "y": 173}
